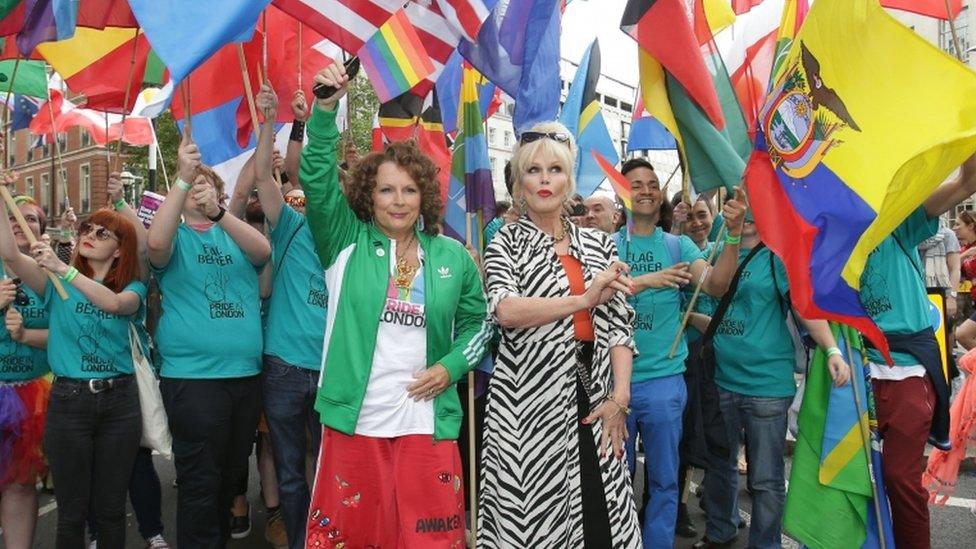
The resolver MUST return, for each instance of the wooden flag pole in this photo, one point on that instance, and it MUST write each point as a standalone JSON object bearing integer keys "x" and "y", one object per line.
{"x": 251, "y": 106}
{"x": 125, "y": 102}
{"x": 952, "y": 29}
{"x": 472, "y": 454}
{"x": 697, "y": 292}
{"x": 300, "y": 25}
{"x": 29, "y": 235}
{"x": 865, "y": 434}
{"x": 187, "y": 124}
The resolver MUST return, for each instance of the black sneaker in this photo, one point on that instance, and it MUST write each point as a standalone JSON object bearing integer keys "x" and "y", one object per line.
{"x": 240, "y": 527}
{"x": 683, "y": 526}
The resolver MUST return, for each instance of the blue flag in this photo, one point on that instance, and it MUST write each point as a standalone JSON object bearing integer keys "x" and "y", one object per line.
{"x": 518, "y": 50}
{"x": 24, "y": 111}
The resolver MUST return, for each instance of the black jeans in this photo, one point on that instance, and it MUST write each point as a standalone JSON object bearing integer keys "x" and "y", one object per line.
{"x": 289, "y": 406}
{"x": 146, "y": 496}
{"x": 91, "y": 442}
{"x": 213, "y": 423}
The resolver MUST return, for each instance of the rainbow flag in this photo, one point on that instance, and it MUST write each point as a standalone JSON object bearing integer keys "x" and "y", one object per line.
{"x": 394, "y": 59}
{"x": 620, "y": 184}
{"x": 850, "y": 142}
{"x": 831, "y": 479}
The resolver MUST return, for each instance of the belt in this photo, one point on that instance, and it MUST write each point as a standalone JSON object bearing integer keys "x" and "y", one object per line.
{"x": 98, "y": 385}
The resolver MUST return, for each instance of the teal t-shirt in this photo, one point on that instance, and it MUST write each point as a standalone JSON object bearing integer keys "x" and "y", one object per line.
{"x": 753, "y": 347}
{"x": 892, "y": 288}
{"x": 86, "y": 342}
{"x": 705, "y": 304}
{"x": 658, "y": 310}
{"x": 210, "y": 327}
{"x": 20, "y": 362}
{"x": 295, "y": 325}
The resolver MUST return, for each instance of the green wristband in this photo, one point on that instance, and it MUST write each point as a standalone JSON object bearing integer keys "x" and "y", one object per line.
{"x": 832, "y": 351}
{"x": 732, "y": 240}
{"x": 183, "y": 184}
{"x": 70, "y": 275}
{"x": 119, "y": 204}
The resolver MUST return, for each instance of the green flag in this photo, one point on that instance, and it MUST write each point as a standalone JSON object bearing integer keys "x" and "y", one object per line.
{"x": 7, "y": 6}
{"x": 31, "y": 78}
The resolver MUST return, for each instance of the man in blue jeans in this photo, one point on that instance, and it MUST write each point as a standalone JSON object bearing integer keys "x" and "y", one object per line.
{"x": 293, "y": 332}
{"x": 660, "y": 263}
{"x": 754, "y": 372}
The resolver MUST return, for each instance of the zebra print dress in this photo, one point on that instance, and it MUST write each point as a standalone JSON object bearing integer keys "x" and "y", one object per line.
{"x": 530, "y": 493}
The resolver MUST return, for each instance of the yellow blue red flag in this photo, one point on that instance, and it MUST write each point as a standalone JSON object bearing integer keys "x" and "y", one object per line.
{"x": 864, "y": 120}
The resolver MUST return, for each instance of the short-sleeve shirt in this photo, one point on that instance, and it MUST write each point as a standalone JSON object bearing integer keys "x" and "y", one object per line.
{"x": 295, "y": 323}
{"x": 84, "y": 341}
{"x": 705, "y": 304}
{"x": 210, "y": 327}
{"x": 658, "y": 310}
{"x": 892, "y": 289}
{"x": 753, "y": 347}
{"x": 19, "y": 362}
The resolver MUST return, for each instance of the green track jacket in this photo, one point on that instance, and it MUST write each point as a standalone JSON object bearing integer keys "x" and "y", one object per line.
{"x": 356, "y": 259}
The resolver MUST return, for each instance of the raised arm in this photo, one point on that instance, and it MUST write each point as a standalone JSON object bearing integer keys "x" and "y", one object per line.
{"x": 268, "y": 191}
{"x": 22, "y": 265}
{"x": 254, "y": 244}
{"x": 718, "y": 279}
{"x": 121, "y": 206}
{"x": 949, "y": 194}
{"x": 242, "y": 190}
{"x": 293, "y": 153}
{"x": 123, "y": 303}
{"x": 167, "y": 218}
{"x": 330, "y": 218}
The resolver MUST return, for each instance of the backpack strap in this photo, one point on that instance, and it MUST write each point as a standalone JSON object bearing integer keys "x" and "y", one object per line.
{"x": 673, "y": 242}
{"x": 726, "y": 301}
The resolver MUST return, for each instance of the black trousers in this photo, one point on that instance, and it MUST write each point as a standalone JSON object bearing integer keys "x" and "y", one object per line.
{"x": 91, "y": 441}
{"x": 213, "y": 423}
{"x": 596, "y": 516}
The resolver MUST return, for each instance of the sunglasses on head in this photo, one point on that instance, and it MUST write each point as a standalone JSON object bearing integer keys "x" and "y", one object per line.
{"x": 529, "y": 137}
{"x": 295, "y": 201}
{"x": 101, "y": 233}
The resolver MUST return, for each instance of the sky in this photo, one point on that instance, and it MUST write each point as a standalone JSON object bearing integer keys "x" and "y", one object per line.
{"x": 618, "y": 52}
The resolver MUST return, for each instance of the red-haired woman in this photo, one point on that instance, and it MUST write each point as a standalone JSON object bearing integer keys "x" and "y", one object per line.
{"x": 94, "y": 423}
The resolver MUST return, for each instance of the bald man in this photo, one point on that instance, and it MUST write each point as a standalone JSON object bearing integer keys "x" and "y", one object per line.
{"x": 601, "y": 213}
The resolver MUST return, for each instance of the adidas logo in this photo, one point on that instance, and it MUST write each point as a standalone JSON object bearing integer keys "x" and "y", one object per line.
{"x": 444, "y": 272}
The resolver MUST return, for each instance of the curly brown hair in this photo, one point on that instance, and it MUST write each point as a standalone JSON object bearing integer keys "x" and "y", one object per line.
{"x": 361, "y": 181}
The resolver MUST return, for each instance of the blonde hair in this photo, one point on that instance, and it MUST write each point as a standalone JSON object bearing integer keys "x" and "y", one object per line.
{"x": 524, "y": 155}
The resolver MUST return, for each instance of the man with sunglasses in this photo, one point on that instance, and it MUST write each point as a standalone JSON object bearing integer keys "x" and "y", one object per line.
{"x": 293, "y": 331}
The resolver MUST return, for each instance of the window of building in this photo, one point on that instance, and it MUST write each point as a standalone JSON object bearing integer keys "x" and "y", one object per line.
{"x": 45, "y": 190}
{"x": 626, "y": 107}
{"x": 29, "y": 186}
{"x": 62, "y": 142}
{"x": 85, "y": 139}
{"x": 491, "y": 136}
{"x": 508, "y": 138}
{"x": 610, "y": 101}
{"x": 84, "y": 187}
{"x": 962, "y": 32}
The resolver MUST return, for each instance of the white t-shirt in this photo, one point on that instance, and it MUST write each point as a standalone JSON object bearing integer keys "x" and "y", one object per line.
{"x": 401, "y": 352}
{"x": 895, "y": 373}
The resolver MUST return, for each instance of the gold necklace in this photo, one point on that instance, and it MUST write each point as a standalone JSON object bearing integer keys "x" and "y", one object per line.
{"x": 404, "y": 270}
{"x": 564, "y": 228}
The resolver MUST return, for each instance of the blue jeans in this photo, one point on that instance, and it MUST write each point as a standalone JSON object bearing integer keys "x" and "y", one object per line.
{"x": 764, "y": 422}
{"x": 289, "y": 406}
{"x": 657, "y": 406}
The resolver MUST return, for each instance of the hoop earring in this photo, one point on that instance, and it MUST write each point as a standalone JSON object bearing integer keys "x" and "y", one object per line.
{"x": 523, "y": 204}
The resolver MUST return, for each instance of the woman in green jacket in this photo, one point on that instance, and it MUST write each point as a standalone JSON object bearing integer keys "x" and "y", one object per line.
{"x": 407, "y": 319}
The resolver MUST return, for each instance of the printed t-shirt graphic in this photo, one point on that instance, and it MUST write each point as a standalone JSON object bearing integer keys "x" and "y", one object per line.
{"x": 20, "y": 362}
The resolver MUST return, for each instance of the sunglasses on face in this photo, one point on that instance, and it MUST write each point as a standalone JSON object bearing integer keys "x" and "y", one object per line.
{"x": 101, "y": 233}
{"x": 295, "y": 201}
{"x": 529, "y": 137}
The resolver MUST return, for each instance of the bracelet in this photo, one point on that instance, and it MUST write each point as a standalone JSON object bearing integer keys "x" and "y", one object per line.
{"x": 623, "y": 408}
{"x": 219, "y": 216}
{"x": 732, "y": 240}
{"x": 119, "y": 204}
{"x": 832, "y": 351}
{"x": 297, "y": 131}
{"x": 183, "y": 184}
{"x": 70, "y": 274}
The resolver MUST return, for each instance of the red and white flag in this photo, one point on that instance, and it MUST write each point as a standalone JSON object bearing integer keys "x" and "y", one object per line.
{"x": 103, "y": 127}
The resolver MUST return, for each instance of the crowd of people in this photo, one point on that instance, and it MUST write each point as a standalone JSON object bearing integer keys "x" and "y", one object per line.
{"x": 324, "y": 305}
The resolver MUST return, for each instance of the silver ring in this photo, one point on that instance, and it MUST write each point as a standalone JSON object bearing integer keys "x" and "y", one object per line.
{"x": 430, "y": 392}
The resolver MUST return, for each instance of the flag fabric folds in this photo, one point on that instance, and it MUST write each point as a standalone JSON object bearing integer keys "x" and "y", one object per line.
{"x": 583, "y": 117}
{"x": 646, "y": 132}
{"x": 831, "y": 479}
{"x": 394, "y": 59}
{"x": 449, "y": 93}
{"x": 24, "y": 109}
{"x": 931, "y": 8}
{"x": 31, "y": 78}
{"x": 45, "y": 21}
{"x": 103, "y": 127}
{"x": 99, "y": 64}
{"x": 619, "y": 183}
{"x": 854, "y": 136}
{"x": 518, "y": 49}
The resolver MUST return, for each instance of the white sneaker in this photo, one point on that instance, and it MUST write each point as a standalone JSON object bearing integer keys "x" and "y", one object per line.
{"x": 93, "y": 544}
{"x": 157, "y": 542}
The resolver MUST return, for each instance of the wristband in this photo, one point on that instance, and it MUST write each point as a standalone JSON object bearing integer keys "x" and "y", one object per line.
{"x": 832, "y": 351}
{"x": 297, "y": 131}
{"x": 183, "y": 184}
{"x": 622, "y": 408}
{"x": 119, "y": 204}
{"x": 732, "y": 240}
{"x": 70, "y": 274}
{"x": 219, "y": 216}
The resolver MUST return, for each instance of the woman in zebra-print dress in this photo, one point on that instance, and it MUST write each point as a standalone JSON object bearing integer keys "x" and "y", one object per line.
{"x": 553, "y": 473}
